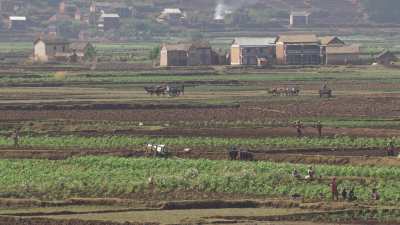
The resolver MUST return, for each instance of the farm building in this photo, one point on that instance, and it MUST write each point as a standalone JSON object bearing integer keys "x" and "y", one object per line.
{"x": 298, "y": 19}
{"x": 329, "y": 42}
{"x": 199, "y": 53}
{"x": 12, "y": 6}
{"x": 342, "y": 54}
{"x": 298, "y": 49}
{"x": 171, "y": 15}
{"x": 109, "y": 21}
{"x": 173, "y": 55}
{"x": 51, "y": 31}
{"x": 386, "y": 58}
{"x": 79, "y": 50}
{"x": 125, "y": 11}
{"x": 17, "y": 23}
{"x": 46, "y": 50}
{"x": 250, "y": 51}
{"x": 186, "y": 54}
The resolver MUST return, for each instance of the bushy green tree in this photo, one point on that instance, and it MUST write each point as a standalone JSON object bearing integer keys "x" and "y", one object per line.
{"x": 90, "y": 53}
{"x": 154, "y": 53}
{"x": 69, "y": 29}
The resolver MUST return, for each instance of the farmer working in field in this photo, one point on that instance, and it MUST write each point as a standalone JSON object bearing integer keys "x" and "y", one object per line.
{"x": 324, "y": 86}
{"x": 296, "y": 174}
{"x": 344, "y": 194}
{"x": 15, "y": 137}
{"x": 319, "y": 128}
{"x": 352, "y": 195}
{"x": 375, "y": 195}
{"x": 299, "y": 128}
{"x": 334, "y": 189}
{"x": 310, "y": 173}
{"x": 391, "y": 148}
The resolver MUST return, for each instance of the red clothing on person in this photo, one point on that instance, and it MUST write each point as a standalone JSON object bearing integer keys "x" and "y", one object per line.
{"x": 334, "y": 186}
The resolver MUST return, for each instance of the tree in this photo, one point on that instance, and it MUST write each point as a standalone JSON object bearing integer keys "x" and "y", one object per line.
{"x": 154, "y": 53}
{"x": 383, "y": 11}
{"x": 69, "y": 29}
{"x": 90, "y": 53}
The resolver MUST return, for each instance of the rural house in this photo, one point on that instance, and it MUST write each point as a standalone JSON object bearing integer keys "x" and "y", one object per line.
{"x": 298, "y": 19}
{"x": 80, "y": 50}
{"x": 172, "y": 15}
{"x": 330, "y": 41}
{"x": 341, "y": 55}
{"x": 298, "y": 49}
{"x": 17, "y": 23}
{"x": 336, "y": 52}
{"x": 386, "y": 58}
{"x": 46, "y": 50}
{"x": 186, "y": 54}
{"x": 125, "y": 11}
{"x": 173, "y": 55}
{"x": 12, "y": 6}
{"x": 250, "y": 51}
{"x": 109, "y": 21}
{"x": 199, "y": 53}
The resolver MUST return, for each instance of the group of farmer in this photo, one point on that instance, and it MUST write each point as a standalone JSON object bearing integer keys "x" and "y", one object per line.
{"x": 300, "y": 127}
{"x": 310, "y": 174}
{"x": 346, "y": 194}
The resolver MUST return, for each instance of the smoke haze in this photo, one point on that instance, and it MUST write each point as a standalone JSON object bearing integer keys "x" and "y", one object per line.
{"x": 225, "y": 7}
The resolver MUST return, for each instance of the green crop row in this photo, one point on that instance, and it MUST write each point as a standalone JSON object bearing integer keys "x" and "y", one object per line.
{"x": 125, "y": 177}
{"x": 129, "y": 142}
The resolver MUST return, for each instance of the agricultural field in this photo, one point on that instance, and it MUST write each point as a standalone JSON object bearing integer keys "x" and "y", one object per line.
{"x": 81, "y": 153}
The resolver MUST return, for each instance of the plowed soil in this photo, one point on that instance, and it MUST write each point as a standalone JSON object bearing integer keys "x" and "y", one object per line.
{"x": 385, "y": 106}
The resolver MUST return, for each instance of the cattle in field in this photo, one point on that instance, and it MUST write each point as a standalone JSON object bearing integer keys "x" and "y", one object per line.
{"x": 241, "y": 155}
{"x": 245, "y": 156}
{"x": 232, "y": 154}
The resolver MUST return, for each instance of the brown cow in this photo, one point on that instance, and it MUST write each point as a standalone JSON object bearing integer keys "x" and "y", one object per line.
{"x": 245, "y": 156}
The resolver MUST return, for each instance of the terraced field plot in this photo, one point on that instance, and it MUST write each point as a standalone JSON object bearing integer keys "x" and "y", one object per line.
{"x": 104, "y": 119}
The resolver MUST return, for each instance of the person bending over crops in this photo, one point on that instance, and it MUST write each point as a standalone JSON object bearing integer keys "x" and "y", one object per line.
{"x": 310, "y": 173}
{"x": 375, "y": 195}
{"x": 344, "y": 194}
{"x": 352, "y": 195}
{"x": 296, "y": 174}
{"x": 391, "y": 148}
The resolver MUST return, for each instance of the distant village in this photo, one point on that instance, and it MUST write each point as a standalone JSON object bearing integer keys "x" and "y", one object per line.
{"x": 288, "y": 49}
{"x": 293, "y": 47}
{"x": 96, "y": 19}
